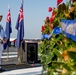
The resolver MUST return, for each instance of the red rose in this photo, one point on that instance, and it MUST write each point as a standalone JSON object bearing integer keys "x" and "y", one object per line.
{"x": 72, "y": 0}
{"x": 43, "y": 27}
{"x": 47, "y": 19}
{"x": 53, "y": 13}
{"x": 50, "y": 9}
{"x": 51, "y": 20}
{"x": 52, "y": 17}
{"x": 59, "y": 1}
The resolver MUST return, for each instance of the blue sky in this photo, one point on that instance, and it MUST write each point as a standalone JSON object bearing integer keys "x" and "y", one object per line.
{"x": 35, "y": 12}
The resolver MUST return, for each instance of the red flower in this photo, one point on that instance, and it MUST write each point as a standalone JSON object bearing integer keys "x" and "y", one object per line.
{"x": 72, "y": 0}
{"x": 53, "y": 14}
{"x": 51, "y": 25}
{"x": 43, "y": 27}
{"x": 51, "y": 20}
{"x": 52, "y": 17}
{"x": 50, "y": 9}
{"x": 59, "y": 1}
{"x": 47, "y": 19}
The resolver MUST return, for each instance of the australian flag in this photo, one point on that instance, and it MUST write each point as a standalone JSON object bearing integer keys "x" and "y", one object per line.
{"x": 20, "y": 27}
{"x": 8, "y": 29}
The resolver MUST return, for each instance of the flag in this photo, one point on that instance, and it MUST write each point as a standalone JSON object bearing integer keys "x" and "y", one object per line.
{"x": 59, "y": 1}
{"x": 20, "y": 27}
{"x": 8, "y": 29}
{"x": 69, "y": 28}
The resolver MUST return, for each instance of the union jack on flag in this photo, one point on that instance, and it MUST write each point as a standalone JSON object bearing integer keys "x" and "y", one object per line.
{"x": 20, "y": 16}
{"x": 8, "y": 16}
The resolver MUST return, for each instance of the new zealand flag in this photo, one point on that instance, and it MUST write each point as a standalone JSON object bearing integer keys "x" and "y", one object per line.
{"x": 20, "y": 27}
{"x": 8, "y": 29}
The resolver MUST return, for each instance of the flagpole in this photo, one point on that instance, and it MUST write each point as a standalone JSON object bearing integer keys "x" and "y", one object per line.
{"x": 7, "y": 40}
{"x": 22, "y": 1}
{"x": 7, "y": 53}
{"x": 8, "y": 46}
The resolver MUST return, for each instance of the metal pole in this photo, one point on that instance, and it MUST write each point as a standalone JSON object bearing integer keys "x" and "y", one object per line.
{"x": 7, "y": 54}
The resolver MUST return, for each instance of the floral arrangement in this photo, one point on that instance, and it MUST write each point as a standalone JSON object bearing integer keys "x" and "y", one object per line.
{"x": 58, "y": 53}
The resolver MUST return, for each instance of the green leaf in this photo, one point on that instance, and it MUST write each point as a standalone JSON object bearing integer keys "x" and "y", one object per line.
{"x": 57, "y": 52}
{"x": 49, "y": 57}
{"x": 72, "y": 54}
{"x": 66, "y": 67}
